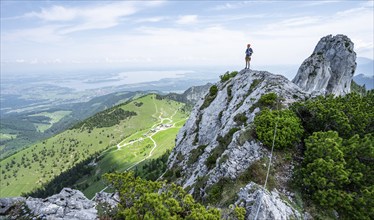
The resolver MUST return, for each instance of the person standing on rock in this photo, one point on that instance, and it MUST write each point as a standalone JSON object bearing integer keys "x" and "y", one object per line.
{"x": 248, "y": 54}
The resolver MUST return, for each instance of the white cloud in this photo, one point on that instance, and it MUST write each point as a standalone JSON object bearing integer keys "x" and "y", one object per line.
{"x": 300, "y": 21}
{"x": 20, "y": 61}
{"x": 60, "y": 20}
{"x": 232, "y": 5}
{"x": 317, "y": 3}
{"x": 163, "y": 47}
{"x": 187, "y": 19}
{"x": 151, "y": 19}
{"x": 34, "y": 61}
{"x": 99, "y": 16}
{"x": 292, "y": 40}
{"x": 218, "y": 39}
{"x": 224, "y": 6}
{"x": 368, "y": 3}
{"x": 55, "y": 13}
{"x": 43, "y": 34}
{"x": 364, "y": 47}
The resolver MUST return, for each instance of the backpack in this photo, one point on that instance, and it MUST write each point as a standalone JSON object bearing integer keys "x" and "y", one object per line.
{"x": 248, "y": 52}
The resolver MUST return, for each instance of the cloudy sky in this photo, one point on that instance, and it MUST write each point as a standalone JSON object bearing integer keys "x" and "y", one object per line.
{"x": 176, "y": 33}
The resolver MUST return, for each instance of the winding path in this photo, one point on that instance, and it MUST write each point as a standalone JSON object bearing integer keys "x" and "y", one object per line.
{"x": 170, "y": 119}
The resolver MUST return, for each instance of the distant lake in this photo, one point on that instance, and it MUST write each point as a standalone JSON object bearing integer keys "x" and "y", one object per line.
{"x": 118, "y": 79}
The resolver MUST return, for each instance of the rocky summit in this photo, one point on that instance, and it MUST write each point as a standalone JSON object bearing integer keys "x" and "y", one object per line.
{"x": 330, "y": 68}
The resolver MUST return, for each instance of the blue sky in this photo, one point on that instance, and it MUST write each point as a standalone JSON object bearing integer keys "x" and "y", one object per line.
{"x": 41, "y": 34}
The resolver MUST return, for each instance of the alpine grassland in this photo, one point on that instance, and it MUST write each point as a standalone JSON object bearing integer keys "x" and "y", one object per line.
{"x": 53, "y": 117}
{"x": 116, "y": 139}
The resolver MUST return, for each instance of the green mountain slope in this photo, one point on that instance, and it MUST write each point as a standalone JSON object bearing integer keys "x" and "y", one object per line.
{"x": 19, "y": 129}
{"x": 117, "y": 131}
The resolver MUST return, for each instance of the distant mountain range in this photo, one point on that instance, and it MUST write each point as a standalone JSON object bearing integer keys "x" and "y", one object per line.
{"x": 362, "y": 79}
{"x": 365, "y": 72}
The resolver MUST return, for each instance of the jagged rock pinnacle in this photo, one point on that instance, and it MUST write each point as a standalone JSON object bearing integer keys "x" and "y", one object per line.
{"x": 330, "y": 68}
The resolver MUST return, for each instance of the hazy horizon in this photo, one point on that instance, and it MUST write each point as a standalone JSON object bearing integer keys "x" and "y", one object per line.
{"x": 142, "y": 35}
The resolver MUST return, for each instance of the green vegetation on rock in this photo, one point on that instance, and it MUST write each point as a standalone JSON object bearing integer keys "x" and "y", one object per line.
{"x": 337, "y": 170}
{"x": 348, "y": 115}
{"x": 142, "y": 199}
{"x": 254, "y": 84}
{"x": 268, "y": 100}
{"x": 357, "y": 88}
{"x": 288, "y": 128}
{"x": 224, "y": 192}
{"x": 228, "y": 75}
{"x": 241, "y": 119}
{"x": 223, "y": 142}
{"x": 337, "y": 154}
{"x": 195, "y": 154}
{"x": 339, "y": 175}
{"x": 323, "y": 171}
{"x": 210, "y": 97}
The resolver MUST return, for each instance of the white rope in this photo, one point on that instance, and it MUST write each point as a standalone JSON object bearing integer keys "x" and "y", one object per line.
{"x": 271, "y": 157}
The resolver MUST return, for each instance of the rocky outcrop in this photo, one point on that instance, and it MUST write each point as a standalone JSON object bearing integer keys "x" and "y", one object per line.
{"x": 237, "y": 96}
{"x": 6, "y": 204}
{"x": 68, "y": 204}
{"x": 214, "y": 127}
{"x": 262, "y": 204}
{"x": 329, "y": 70}
{"x": 190, "y": 96}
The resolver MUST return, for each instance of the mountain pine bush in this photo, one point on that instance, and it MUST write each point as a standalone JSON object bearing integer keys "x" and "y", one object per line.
{"x": 337, "y": 172}
{"x": 348, "y": 115}
{"x": 142, "y": 199}
{"x": 289, "y": 129}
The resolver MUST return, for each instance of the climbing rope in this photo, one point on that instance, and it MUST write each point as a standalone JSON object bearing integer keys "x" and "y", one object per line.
{"x": 271, "y": 157}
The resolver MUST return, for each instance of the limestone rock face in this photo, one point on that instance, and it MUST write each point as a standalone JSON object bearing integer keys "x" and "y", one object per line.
{"x": 193, "y": 94}
{"x": 68, "y": 204}
{"x": 209, "y": 125}
{"x": 329, "y": 70}
{"x": 190, "y": 96}
{"x": 271, "y": 205}
{"x": 6, "y": 204}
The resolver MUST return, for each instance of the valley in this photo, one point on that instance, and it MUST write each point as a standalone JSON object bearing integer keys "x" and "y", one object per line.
{"x": 36, "y": 106}
{"x": 33, "y": 125}
{"x": 127, "y": 135}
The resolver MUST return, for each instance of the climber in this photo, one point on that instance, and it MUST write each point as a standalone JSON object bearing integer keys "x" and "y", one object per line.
{"x": 248, "y": 54}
